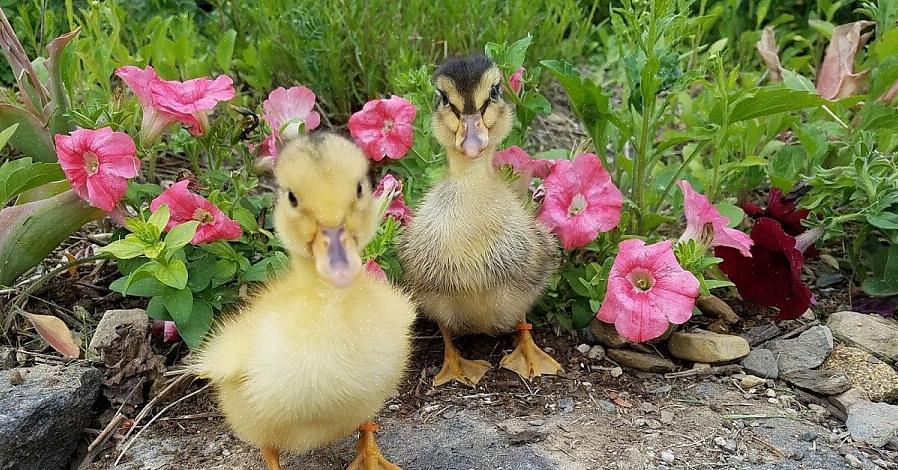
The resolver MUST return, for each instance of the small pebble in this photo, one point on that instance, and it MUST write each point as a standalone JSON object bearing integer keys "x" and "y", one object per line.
{"x": 667, "y": 456}
{"x": 818, "y": 409}
{"x": 770, "y": 393}
{"x": 724, "y": 445}
{"x": 16, "y": 378}
{"x": 596, "y": 353}
{"x": 393, "y": 407}
{"x": 667, "y": 417}
{"x": 751, "y": 381}
{"x": 607, "y": 406}
{"x": 566, "y": 404}
{"x": 450, "y": 413}
{"x": 616, "y": 372}
{"x": 809, "y": 436}
{"x": 854, "y": 461}
{"x": 225, "y": 452}
{"x": 583, "y": 348}
{"x": 536, "y": 422}
{"x": 773, "y": 401}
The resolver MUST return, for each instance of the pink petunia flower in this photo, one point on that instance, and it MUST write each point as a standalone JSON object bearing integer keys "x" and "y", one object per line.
{"x": 647, "y": 291}
{"x": 98, "y": 164}
{"x": 166, "y": 330}
{"x": 700, "y": 212}
{"x": 166, "y": 102}
{"x": 383, "y": 128}
{"x": 581, "y": 201}
{"x": 389, "y": 188}
{"x": 185, "y": 206}
{"x": 373, "y": 268}
{"x": 286, "y": 110}
{"x": 515, "y": 81}
{"x": 522, "y": 164}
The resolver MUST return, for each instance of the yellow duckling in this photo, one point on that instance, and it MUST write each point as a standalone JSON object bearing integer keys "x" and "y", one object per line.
{"x": 319, "y": 349}
{"x": 474, "y": 256}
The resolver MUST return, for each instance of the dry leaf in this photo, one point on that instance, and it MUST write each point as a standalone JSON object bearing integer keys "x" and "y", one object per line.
{"x": 55, "y": 332}
{"x": 890, "y": 95}
{"x": 836, "y": 78}
{"x": 73, "y": 271}
{"x": 770, "y": 55}
{"x": 618, "y": 400}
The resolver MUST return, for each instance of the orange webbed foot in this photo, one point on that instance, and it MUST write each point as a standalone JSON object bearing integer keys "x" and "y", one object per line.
{"x": 527, "y": 359}
{"x": 369, "y": 456}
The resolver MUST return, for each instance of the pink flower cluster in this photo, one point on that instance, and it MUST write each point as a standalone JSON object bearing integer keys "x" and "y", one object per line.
{"x": 98, "y": 164}
{"x": 166, "y": 102}
{"x": 185, "y": 206}
{"x": 389, "y": 186}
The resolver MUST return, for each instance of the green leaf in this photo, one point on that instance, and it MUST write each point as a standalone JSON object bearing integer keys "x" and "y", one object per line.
{"x": 17, "y": 176}
{"x": 245, "y": 219}
{"x": 156, "y": 308}
{"x": 147, "y": 286}
{"x": 180, "y": 235}
{"x": 712, "y": 284}
{"x": 883, "y": 220}
{"x": 517, "y": 52}
{"x": 200, "y": 272}
{"x": 31, "y": 137}
{"x": 173, "y": 274}
{"x": 199, "y": 324}
{"x": 126, "y": 248}
{"x": 159, "y": 219}
{"x": 6, "y": 134}
{"x": 581, "y": 315}
{"x": 733, "y": 213}
{"x": 179, "y": 304}
{"x": 224, "y": 52}
{"x": 797, "y": 82}
{"x": 769, "y": 100}
{"x": 786, "y": 165}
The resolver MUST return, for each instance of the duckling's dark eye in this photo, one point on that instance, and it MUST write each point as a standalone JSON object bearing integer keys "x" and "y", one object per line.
{"x": 495, "y": 91}
{"x": 442, "y": 98}
{"x": 292, "y": 198}
{"x": 360, "y": 190}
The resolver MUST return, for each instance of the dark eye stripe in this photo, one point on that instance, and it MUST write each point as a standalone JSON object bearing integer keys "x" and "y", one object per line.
{"x": 455, "y": 110}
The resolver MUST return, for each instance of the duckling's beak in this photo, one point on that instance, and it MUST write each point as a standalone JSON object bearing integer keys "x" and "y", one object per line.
{"x": 336, "y": 255}
{"x": 472, "y": 138}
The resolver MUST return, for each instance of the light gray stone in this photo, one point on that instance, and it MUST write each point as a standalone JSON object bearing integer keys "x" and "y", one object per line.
{"x": 43, "y": 416}
{"x": 873, "y": 423}
{"x": 641, "y": 361}
{"x": 761, "y": 362}
{"x": 106, "y": 331}
{"x": 872, "y": 333}
{"x": 807, "y": 351}
{"x": 822, "y": 382}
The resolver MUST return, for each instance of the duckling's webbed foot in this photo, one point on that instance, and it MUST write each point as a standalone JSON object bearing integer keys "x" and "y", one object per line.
{"x": 369, "y": 456}
{"x": 456, "y": 367}
{"x": 272, "y": 458}
{"x": 527, "y": 359}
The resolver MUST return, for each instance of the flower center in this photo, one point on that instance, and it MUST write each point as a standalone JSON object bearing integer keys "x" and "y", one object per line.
{"x": 641, "y": 279}
{"x": 91, "y": 163}
{"x": 388, "y": 124}
{"x": 578, "y": 205}
{"x": 203, "y": 216}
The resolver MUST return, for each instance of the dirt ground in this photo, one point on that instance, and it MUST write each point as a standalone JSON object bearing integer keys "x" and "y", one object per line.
{"x": 584, "y": 420}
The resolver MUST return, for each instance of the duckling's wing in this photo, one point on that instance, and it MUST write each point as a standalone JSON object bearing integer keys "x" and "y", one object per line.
{"x": 223, "y": 357}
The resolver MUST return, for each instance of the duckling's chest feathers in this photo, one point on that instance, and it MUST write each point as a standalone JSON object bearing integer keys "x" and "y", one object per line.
{"x": 473, "y": 236}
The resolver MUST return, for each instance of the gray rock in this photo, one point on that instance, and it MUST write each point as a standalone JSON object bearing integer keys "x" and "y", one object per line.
{"x": 873, "y": 423}
{"x": 761, "y": 362}
{"x": 711, "y": 348}
{"x": 807, "y": 351}
{"x": 640, "y": 361}
{"x": 872, "y": 333}
{"x": 596, "y": 353}
{"x": 822, "y": 382}
{"x": 42, "y": 418}
{"x": 607, "y": 406}
{"x": 566, "y": 404}
{"x": 846, "y": 400}
{"x": 106, "y": 331}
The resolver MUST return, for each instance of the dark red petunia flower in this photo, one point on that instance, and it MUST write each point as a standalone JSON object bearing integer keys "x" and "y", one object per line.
{"x": 782, "y": 209}
{"x": 772, "y": 276}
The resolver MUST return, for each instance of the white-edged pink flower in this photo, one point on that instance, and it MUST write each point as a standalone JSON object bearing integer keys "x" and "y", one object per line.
{"x": 701, "y": 213}
{"x": 522, "y": 163}
{"x": 581, "y": 201}
{"x": 185, "y": 206}
{"x": 383, "y": 128}
{"x": 287, "y": 110}
{"x": 98, "y": 164}
{"x": 166, "y": 102}
{"x": 373, "y": 268}
{"x": 647, "y": 291}
{"x": 389, "y": 192}
{"x": 515, "y": 81}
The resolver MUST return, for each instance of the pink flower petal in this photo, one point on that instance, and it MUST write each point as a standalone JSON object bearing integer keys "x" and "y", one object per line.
{"x": 98, "y": 164}
{"x": 643, "y": 312}
{"x": 515, "y": 80}
{"x": 184, "y": 206}
{"x": 700, "y": 212}
{"x": 383, "y": 128}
